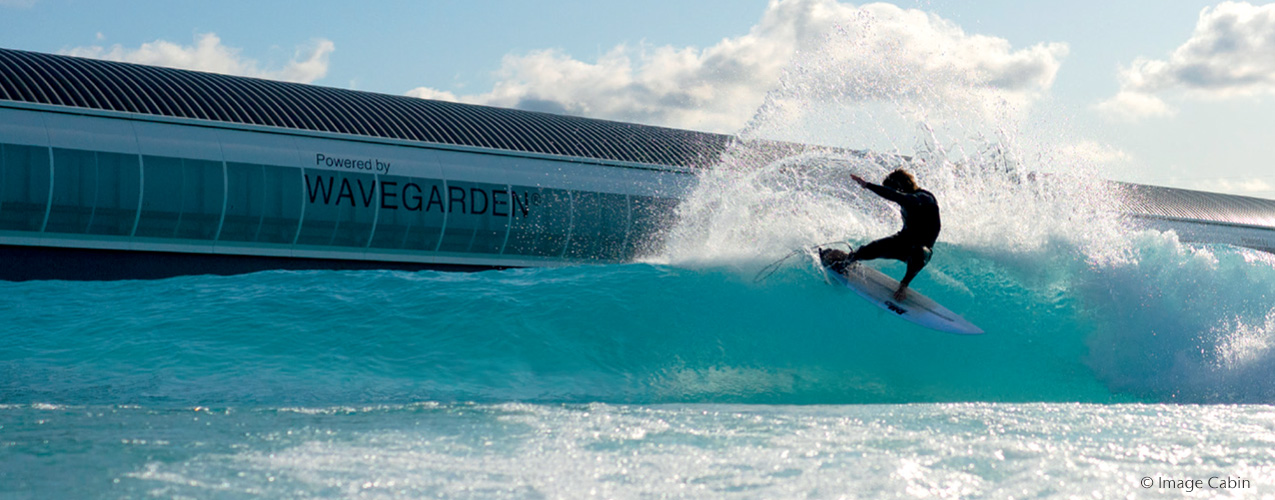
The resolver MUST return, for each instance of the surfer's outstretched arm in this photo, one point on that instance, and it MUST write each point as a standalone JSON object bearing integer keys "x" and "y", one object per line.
{"x": 883, "y": 191}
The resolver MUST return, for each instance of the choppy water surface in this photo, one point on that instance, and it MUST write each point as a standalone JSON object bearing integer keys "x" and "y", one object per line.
{"x": 680, "y": 451}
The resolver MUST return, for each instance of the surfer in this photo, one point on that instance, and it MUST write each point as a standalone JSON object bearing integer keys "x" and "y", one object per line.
{"x": 913, "y": 244}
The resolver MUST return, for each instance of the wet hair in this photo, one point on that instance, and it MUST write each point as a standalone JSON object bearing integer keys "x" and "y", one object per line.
{"x": 901, "y": 180}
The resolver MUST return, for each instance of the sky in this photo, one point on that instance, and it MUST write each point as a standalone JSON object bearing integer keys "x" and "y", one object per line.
{"x": 1168, "y": 92}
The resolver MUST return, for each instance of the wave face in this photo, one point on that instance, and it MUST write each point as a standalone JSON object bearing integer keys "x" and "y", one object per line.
{"x": 1078, "y": 302}
{"x": 1165, "y": 322}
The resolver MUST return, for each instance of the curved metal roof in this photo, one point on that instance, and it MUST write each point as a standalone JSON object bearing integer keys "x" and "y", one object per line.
{"x": 1184, "y": 204}
{"x": 113, "y": 86}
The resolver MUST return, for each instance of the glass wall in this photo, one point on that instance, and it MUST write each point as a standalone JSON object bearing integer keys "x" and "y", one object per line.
{"x": 77, "y": 192}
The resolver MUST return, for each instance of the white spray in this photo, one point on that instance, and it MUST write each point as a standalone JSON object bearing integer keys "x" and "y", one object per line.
{"x": 869, "y": 113}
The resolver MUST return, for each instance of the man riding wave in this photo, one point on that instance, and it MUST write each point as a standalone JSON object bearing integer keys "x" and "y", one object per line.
{"x": 913, "y": 244}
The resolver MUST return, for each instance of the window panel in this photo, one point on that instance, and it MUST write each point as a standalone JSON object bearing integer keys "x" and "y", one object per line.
{"x": 358, "y": 212}
{"x": 203, "y": 192}
{"x": 74, "y": 191}
{"x": 24, "y": 187}
{"x": 411, "y": 213}
{"x": 648, "y": 228}
{"x": 599, "y": 224}
{"x": 282, "y": 208}
{"x": 478, "y": 217}
{"x": 182, "y": 198}
{"x": 118, "y": 187}
{"x": 245, "y": 201}
{"x": 340, "y": 208}
{"x": 161, "y": 197}
{"x": 541, "y": 221}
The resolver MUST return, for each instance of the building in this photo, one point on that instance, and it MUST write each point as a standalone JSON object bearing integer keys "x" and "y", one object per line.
{"x": 112, "y": 170}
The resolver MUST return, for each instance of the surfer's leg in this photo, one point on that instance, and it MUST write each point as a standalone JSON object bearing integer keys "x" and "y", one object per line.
{"x": 831, "y": 255}
{"x": 884, "y": 248}
{"x": 918, "y": 258}
{"x": 836, "y": 259}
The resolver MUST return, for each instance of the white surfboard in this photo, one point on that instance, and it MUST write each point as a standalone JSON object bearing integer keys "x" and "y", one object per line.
{"x": 879, "y": 289}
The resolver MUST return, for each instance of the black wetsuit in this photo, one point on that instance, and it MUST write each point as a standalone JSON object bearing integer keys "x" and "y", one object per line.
{"x": 912, "y": 244}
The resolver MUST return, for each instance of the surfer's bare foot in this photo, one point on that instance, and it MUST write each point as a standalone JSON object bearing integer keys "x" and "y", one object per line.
{"x": 901, "y": 294}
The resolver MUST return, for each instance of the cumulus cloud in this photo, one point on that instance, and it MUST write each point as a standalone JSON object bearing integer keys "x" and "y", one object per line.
{"x": 822, "y": 49}
{"x": 428, "y": 93}
{"x": 1091, "y": 153}
{"x": 923, "y": 66}
{"x": 1132, "y": 105}
{"x": 309, "y": 63}
{"x": 1230, "y": 54}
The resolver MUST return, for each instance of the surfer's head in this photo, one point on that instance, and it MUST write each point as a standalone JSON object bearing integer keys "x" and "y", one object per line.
{"x": 901, "y": 180}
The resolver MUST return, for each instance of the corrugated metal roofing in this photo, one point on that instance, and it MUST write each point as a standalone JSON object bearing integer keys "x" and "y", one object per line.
{"x": 113, "y": 86}
{"x": 1172, "y": 203}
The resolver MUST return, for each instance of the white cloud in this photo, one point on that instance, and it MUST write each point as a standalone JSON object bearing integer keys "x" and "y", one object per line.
{"x": 920, "y": 66}
{"x": 1092, "y": 153}
{"x": 1230, "y": 54}
{"x": 822, "y": 49}
{"x": 428, "y": 93}
{"x": 1131, "y": 105}
{"x": 309, "y": 63}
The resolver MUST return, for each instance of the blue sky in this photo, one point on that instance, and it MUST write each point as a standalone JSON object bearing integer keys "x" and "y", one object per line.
{"x": 1177, "y": 92}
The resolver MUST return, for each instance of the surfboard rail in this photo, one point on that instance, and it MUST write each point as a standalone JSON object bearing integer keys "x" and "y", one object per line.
{"x": 877, "y": 288}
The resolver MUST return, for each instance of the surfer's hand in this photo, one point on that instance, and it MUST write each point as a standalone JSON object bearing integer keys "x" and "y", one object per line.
{"x": 901, "y": 294}
{"x": 862, "y": 183}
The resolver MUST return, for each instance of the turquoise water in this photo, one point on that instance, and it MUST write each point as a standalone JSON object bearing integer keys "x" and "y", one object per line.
{"x": 649, "y": 379}
{"x": 648, "y": 334}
